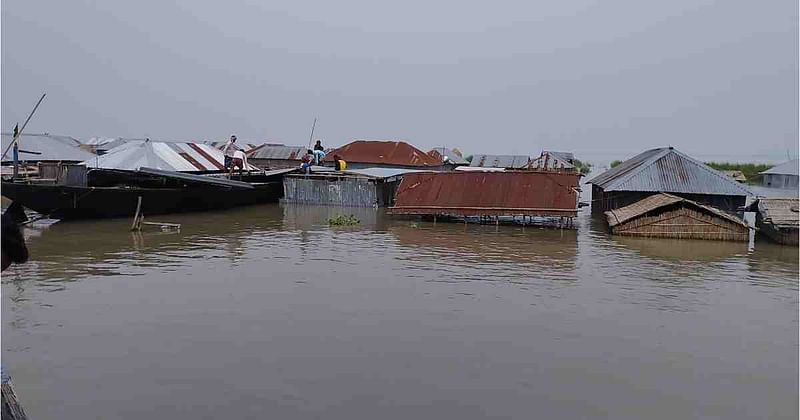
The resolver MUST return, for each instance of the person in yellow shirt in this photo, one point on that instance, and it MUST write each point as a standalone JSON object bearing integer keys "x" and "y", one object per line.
{"x": 339, "y": 163}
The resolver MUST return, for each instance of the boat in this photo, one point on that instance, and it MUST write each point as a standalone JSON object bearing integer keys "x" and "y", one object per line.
{"x": 108, "y": 193}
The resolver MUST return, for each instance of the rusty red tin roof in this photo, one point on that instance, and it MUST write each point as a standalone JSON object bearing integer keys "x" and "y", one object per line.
{"x": 380, "y": 152}
{"x": 488, "y": 193}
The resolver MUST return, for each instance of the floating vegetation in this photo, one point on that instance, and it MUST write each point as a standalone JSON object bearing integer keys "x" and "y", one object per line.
{"x": 342, "y": 220}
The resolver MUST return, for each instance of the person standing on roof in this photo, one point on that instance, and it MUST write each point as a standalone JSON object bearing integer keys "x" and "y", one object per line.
{"x": 319, "y": 152}
{"x": 230, "y": 150}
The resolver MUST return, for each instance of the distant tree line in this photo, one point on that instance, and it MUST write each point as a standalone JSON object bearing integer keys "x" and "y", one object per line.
{"x": 749, "y": 170}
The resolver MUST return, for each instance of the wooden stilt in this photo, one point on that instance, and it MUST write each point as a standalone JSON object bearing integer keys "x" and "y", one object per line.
{"x": 135, "y": 225}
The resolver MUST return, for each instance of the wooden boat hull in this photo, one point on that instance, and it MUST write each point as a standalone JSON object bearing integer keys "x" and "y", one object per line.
{"x": 73, "y": 202}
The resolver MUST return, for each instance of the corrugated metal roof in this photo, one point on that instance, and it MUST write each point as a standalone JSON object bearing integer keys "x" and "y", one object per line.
{"x": 667, "y": 170}
{"x": 245, "y": 147}
{"x": 281, "y": 152}
{"x": 568, "y": 156}
{"x": 488, "y": 193}
{"x": 781, "y": 212}
{"x": 551, "y": 161}
{"x": 382, "y": 172}
{"x": 500, "y": 161}
{"x": 197, "y": 179}
{"x": 181, "y": 157}
{"x": 439, "y": 153}
{"x": 657, "y": 201}
{"x": 382, "y": 152}
{"x": 786, "y": 168}
{"x": 47, "y": 147}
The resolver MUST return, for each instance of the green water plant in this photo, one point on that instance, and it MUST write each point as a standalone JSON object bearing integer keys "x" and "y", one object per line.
{"x": 342, "y": 220}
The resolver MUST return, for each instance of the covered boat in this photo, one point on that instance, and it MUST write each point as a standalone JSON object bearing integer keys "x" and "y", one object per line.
{"x": 103, "y": 193}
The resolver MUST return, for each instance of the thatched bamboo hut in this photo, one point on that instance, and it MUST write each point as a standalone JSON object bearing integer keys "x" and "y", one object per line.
{"x": 669, "y": 216}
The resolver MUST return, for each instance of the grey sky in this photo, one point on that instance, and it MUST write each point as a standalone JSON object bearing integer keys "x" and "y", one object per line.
{"x": 612, "y": 76}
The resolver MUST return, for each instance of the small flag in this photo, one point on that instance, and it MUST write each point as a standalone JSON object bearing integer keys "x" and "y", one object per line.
{"x": 16, "y": 130}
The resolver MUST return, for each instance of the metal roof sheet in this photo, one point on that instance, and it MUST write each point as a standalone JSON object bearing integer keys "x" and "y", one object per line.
{"x": 382, "y": 172}
{"x": 440, "y": 152}
{"x": 667, "y": 170}
{"x": 480, "y": 193}
{"x": 45, "y": 147}
{"x": 197, "y": 179}
{"x": 266, "y": 151}
{"x": 500, "y": 161}
{"x": 181, "y": 157}
{"x": 568, "y": 156}
{"x": 785, "y": 168}
{"x": 382, "y": 152}
{"x": 550, "y": 160}
{"x": 657, "y": 201}
{"x": 781, "y": 212}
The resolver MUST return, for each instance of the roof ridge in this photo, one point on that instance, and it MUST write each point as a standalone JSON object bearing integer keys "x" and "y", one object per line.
{"x": 640, "y": 167}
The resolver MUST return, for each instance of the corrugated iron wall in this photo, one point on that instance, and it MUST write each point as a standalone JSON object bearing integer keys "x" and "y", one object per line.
{"x": 488, "y": 193}
{"x": 351, "y": 192}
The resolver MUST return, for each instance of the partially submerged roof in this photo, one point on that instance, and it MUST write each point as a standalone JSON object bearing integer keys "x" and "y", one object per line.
{"x": 785, "y": 168}
{"x": 45, "y": 147}
{"x": 269, "y": 151}
{"x": 667, "y": 170}
{"x": 781, "y": 212}
{"x": 657, "y": 201}
{"x": 453, "y": 156}
{"x": 379, "y": 152}
{"x": 488, "y": 193}
{"x": 167, "y": 156}
{"x": 500, "y": 161}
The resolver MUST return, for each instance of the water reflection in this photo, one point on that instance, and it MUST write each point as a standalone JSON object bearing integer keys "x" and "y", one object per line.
{"x": 271, "y": 297}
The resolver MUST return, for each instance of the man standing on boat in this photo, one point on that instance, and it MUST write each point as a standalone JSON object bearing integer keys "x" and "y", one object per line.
{"x": 230, "y": 150}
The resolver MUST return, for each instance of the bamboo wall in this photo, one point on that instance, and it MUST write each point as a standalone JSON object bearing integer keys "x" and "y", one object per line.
{"x": 608, "y": 200}
{"x": 683, "y": 223}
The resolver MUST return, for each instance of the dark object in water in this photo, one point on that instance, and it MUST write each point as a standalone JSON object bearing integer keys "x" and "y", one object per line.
{"x": 14, "y": 249}
{"x": 113, "y": 193}
{"x": 16, "y": 213}
{"x": 11, "y": 407}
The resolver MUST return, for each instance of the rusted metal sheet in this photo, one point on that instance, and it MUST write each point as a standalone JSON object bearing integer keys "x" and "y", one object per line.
{"x": 530, "y": 193}
{"x": 397, "y": 153}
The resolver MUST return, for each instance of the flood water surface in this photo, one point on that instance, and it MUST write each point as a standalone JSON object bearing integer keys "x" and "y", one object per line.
{"x": 267, "y": 312}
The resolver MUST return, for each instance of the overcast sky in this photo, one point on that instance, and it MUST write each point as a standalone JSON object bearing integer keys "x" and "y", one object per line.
{"x": 611, "y": 76}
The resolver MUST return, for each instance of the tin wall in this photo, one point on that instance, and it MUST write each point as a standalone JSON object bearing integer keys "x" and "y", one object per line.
{"x": 345, "y": 191}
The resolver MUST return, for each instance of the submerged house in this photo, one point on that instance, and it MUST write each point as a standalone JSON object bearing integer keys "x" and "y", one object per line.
{"x": 778, "y": 219}
{"x": 665, "y": 170}
{"x": 489, "y": 195}
{"x": 35, "y": 148}
{"x": 669, "y": 216}
{"x": 366, "y": 187}
{"x": 276, "y": 156}
{"x": 43, "y": 154}
{"x": 784, "y": 175}
{"x": 385, "y": 154}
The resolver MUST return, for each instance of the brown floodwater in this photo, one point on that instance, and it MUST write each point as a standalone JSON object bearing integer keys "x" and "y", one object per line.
{"x": 267, "y": 312}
